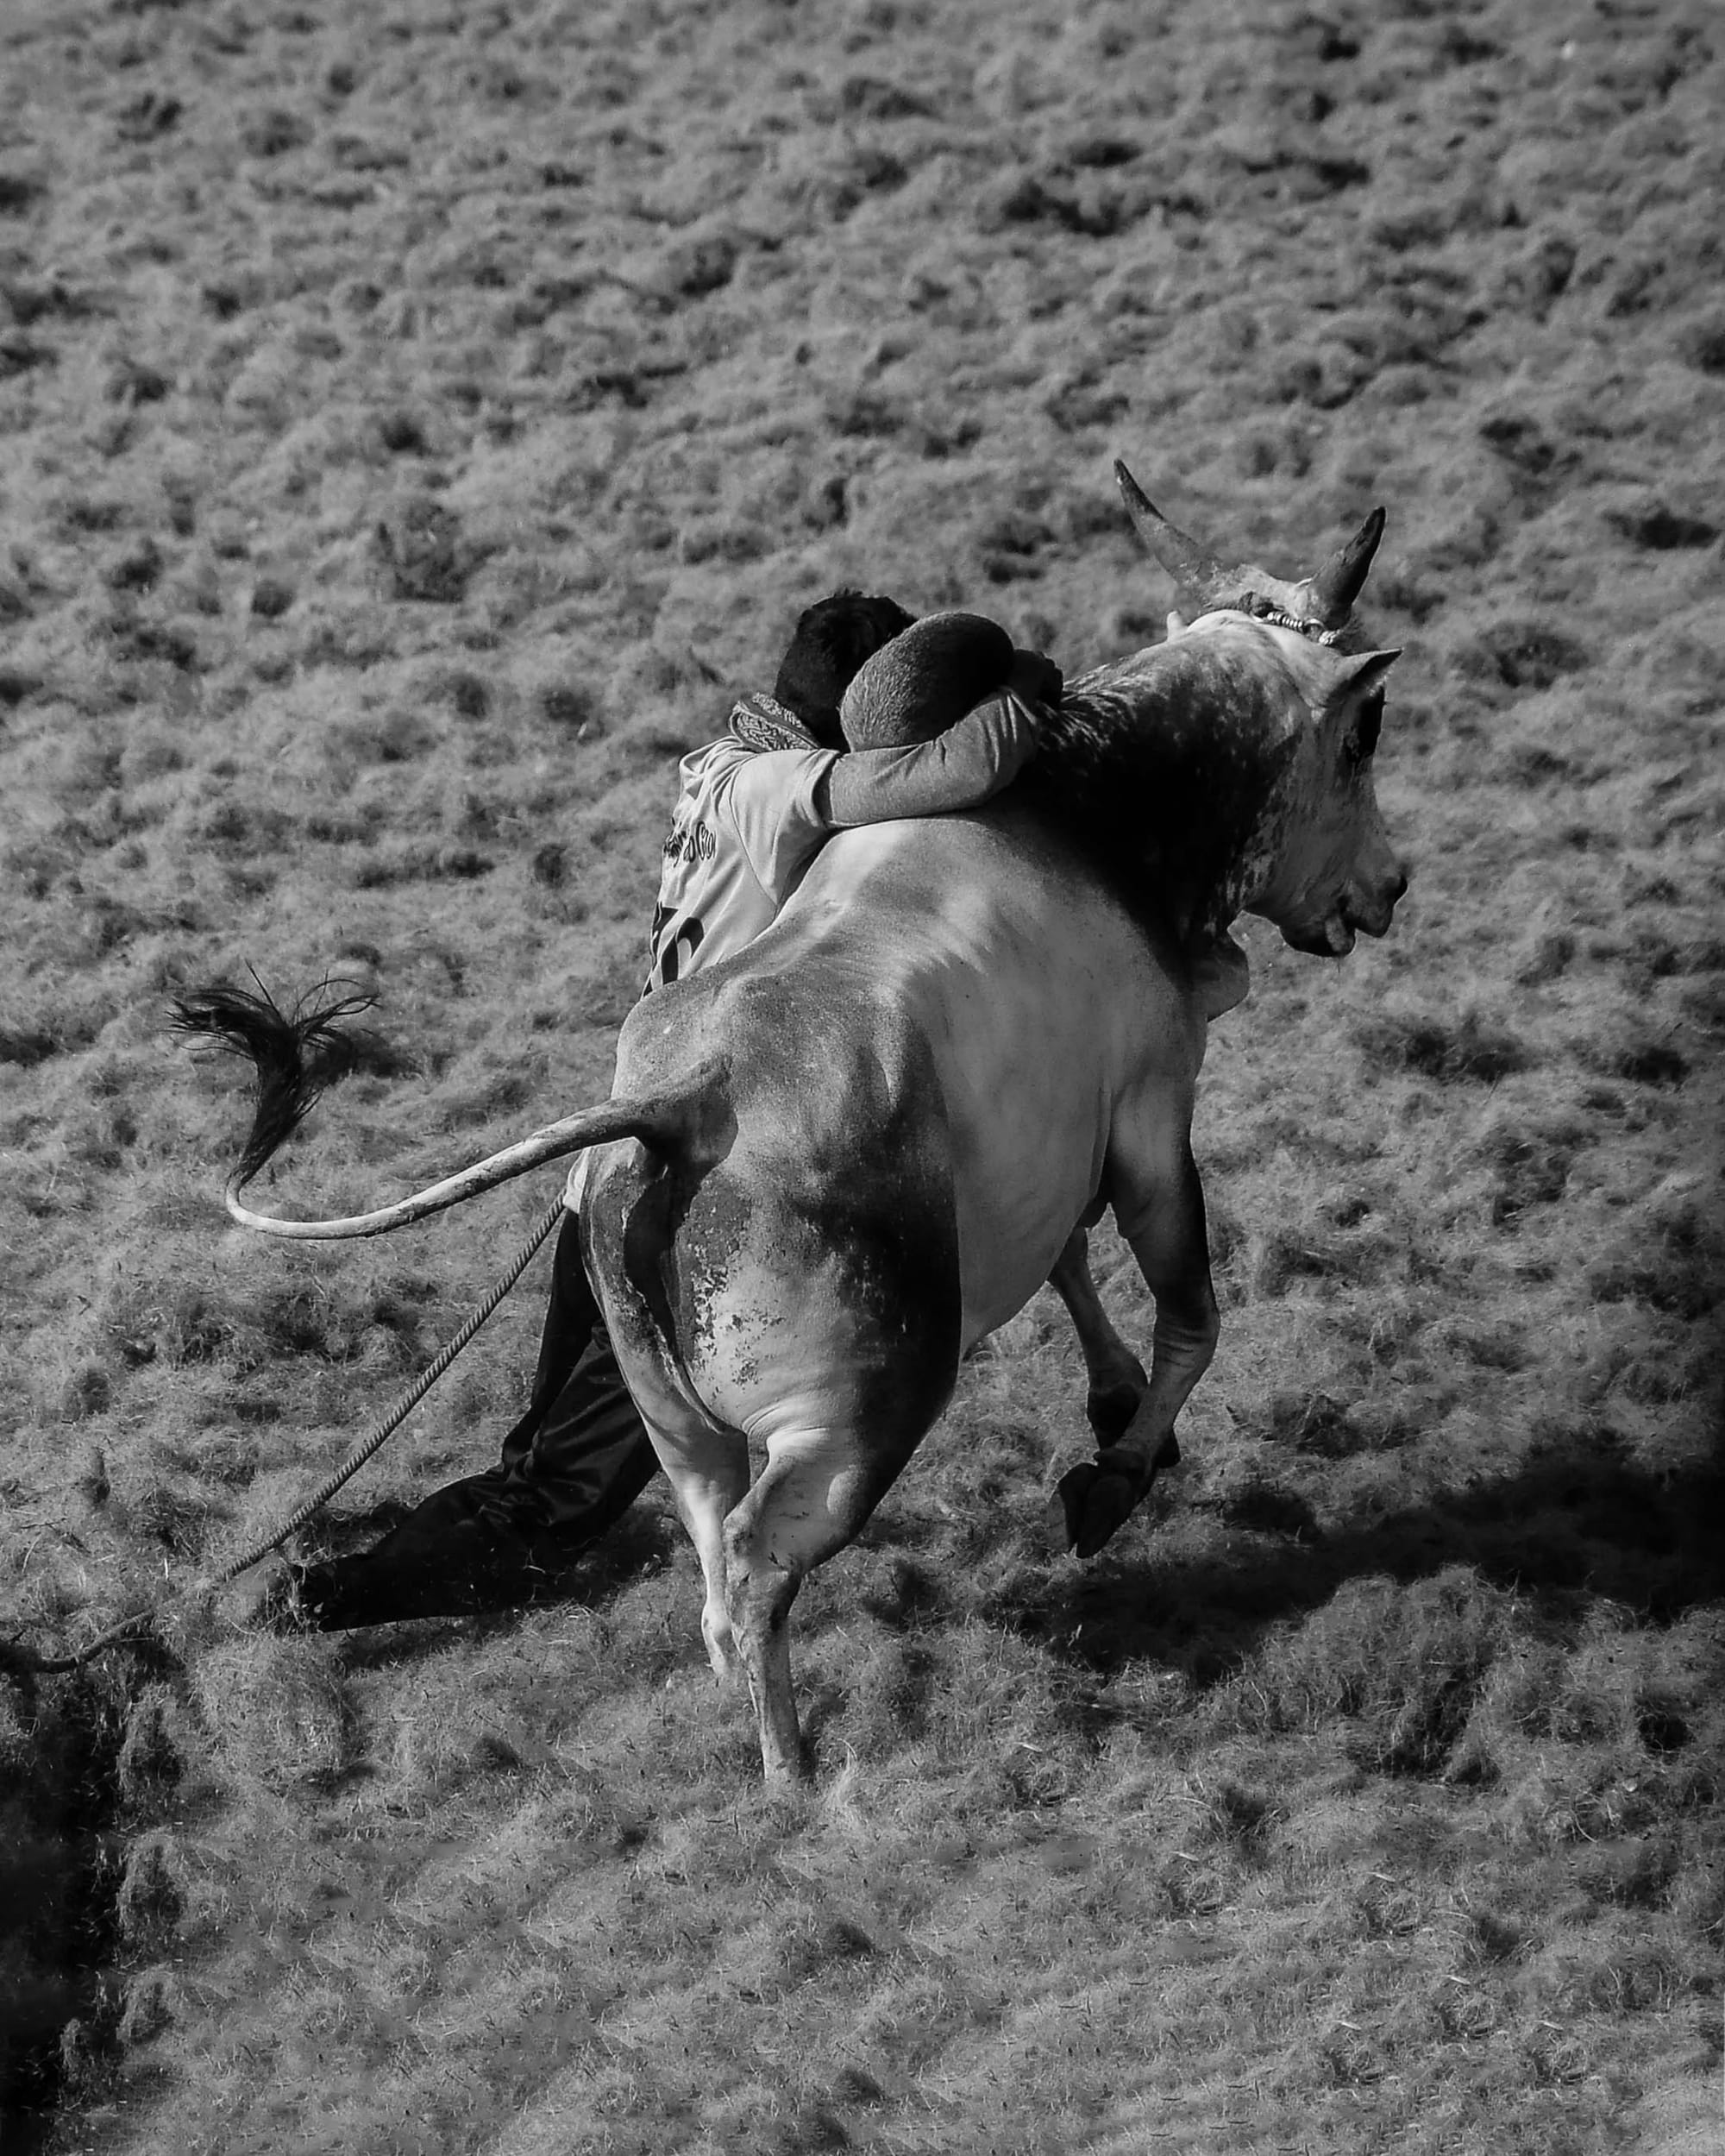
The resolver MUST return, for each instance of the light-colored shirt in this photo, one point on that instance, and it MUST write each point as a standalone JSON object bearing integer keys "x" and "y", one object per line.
{"x": 747, "y": 823}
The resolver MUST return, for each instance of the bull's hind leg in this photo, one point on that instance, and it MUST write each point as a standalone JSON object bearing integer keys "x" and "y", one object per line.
{"x": 818, "y": 1488}
{"x": 1118, "y": 1381}
{"x": 708, "y": 1470}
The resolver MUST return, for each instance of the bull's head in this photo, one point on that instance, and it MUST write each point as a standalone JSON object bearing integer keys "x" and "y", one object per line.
{"x": 1327, "y": 868}
{"x": 1331, "y": 870}
{"x": 1204, "y": 581}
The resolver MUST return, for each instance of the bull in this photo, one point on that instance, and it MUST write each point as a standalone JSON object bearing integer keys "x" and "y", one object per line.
{"x": 833, "y": 1164}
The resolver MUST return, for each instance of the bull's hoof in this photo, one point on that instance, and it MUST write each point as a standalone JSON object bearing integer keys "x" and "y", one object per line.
{"x": 1098, "y": 1501}
{"x": 1110, "y": 1411}
{"x": 1098, "y": 1496}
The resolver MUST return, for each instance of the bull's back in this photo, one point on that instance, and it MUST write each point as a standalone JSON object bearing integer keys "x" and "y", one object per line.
{"x": 1045, "y": 1009}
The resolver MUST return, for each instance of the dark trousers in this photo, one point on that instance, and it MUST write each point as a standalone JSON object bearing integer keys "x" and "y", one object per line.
{"x": 576, "y": 1459}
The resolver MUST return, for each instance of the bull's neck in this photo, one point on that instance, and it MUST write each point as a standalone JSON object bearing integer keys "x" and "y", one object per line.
{"x": 1167, "y": 771}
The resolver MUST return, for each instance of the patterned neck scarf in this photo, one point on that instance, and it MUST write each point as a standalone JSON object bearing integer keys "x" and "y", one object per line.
{"x": 760, "y": 722}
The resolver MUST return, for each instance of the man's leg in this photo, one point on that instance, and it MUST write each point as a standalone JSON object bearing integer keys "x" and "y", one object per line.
{"x": 573, "y": 1462}
{"x": 587, "y": 1460}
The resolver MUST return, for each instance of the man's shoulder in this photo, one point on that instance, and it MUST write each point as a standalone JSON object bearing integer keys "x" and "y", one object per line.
{"x": 712, "y": 759}
{"x": 762, "y": 795}
{"x": 712, "y": 771}
{"x": 759, "y": 774}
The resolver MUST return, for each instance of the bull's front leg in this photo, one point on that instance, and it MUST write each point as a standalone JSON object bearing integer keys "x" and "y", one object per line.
{"x": 1162, "y": 1217}
{"x": 1116, "y": 1376}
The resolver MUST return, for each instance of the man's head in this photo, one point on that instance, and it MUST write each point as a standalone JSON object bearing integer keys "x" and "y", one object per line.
{"x": 833, "y": 639}
{"x": 925, "y": 681}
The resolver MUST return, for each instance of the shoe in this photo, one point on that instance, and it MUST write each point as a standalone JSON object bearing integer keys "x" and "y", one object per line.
{"x": 454, "y": 1568}
{"x": 281, "y": 1608}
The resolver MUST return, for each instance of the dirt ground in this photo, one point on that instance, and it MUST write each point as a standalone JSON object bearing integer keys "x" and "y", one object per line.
{"x": 416, "y": 421}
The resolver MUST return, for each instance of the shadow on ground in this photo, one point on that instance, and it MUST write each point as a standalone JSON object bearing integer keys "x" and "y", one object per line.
{"x": 1562, "y": 1534}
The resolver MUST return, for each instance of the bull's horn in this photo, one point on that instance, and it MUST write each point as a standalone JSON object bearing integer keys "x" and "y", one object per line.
{"x": 1342, "y": 578}
{"x": 1192, "y": 568}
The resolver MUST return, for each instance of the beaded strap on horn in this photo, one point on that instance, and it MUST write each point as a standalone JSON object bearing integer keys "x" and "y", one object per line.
{"x": 1263, "y": 609}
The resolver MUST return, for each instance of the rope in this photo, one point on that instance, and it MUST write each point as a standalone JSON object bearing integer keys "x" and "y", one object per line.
{"x": 139, "y": 1628}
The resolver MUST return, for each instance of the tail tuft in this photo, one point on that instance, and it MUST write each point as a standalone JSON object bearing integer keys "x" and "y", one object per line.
{"x": 296, "y": 1055}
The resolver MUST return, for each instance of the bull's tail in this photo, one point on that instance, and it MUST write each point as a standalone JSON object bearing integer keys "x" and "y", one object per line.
{"x": 297, "y": 1054}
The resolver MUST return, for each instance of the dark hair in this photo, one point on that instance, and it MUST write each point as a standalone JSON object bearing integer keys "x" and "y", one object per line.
{"x": 833, "y": 638}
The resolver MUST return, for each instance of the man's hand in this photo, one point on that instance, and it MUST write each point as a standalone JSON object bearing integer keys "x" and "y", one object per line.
{"x": 1036, "y": 679}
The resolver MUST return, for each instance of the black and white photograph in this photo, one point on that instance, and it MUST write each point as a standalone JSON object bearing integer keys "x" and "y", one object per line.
{"x": 862, "y": 1118}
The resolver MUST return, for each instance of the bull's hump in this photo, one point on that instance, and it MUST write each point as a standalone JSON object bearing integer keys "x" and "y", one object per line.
{"x": 1226, "y": 666}
{"x": 912, "y": 904}
{"x": 957, "y": 868}
{"x": 1310, "y": 669}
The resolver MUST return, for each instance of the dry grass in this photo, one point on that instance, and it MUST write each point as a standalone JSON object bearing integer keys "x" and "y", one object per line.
{"x": 417, "y": 418}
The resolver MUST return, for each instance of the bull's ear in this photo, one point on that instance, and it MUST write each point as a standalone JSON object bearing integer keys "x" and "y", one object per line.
{"x": 1342, "y": 578}
{"x": 1360, "y": 674}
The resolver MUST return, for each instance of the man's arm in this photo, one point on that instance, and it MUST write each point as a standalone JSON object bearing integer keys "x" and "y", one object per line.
{"x": 958, "y": 768}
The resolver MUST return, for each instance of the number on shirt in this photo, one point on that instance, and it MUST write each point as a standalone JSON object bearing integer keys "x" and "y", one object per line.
{"x": 673, "y": 941}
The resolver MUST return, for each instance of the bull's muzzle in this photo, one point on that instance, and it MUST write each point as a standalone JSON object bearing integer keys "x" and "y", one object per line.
{"x": 1369, "y": 906}
{"x": 1357, "y": 912}
{"x": 1369, "y": 916}
{"x": 1390, "y": 898}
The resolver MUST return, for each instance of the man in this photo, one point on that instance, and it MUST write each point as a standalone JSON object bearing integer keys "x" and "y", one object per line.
{"x": 754, "y": 807}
